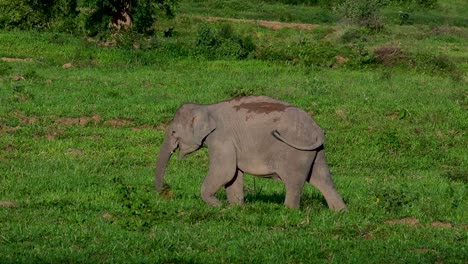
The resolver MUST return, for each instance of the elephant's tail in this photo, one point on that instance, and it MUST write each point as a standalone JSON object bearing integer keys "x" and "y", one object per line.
{"x": 314, "y": 146}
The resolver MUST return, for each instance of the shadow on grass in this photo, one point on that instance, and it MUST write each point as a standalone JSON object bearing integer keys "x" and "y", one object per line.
{"x": 278, "y": 198}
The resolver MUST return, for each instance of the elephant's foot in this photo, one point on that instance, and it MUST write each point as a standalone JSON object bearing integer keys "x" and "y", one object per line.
{"x": 336, "y": 204}
{"x": 211, "y": 200}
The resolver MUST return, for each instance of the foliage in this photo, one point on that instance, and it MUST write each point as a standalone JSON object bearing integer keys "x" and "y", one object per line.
{"x": 140, "y": 13}
{"x": 75, "y": 16}
{"x": 222, "y": 42}
{"x": 413, "y": 3}
{"x": 39, "y": 14}
{"x": 365, "y": 13}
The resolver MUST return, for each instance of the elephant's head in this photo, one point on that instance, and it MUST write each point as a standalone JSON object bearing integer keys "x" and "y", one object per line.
{"x": 187, "y": 131}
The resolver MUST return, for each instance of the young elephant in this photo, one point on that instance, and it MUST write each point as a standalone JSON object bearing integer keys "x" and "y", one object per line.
{"x": 256, "y": 135}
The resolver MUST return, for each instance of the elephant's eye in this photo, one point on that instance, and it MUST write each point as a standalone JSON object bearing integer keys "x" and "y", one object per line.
{"x": 173, "y": 132}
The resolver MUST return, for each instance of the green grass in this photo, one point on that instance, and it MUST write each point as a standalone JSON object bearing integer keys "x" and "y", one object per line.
{"x": 396, "y": 144}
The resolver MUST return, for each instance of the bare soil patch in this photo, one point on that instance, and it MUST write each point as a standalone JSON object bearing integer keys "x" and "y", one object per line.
{"x": 8, "y": 204}
{"x": 29, "y": 119}
{"x": 75, "y": 152}
{"x": 5, "y": 128}
{"x": 9, "y": 148}
{"x": 67, "y": 66}
{"x": 425, "y": 250}
{"x": 81, "y": 121}
{"x": 138, "y": 128}
{"x": 162, "y": 127}
{"x": 119, "y": 122}
{"x": 52, "y": 135}
{"x": 7, "y": 59}
{"x": 367, "y": 235}
{"x": 106, "y": 216}
{"x": 18, "y": 78}
{"x": 441, "y": 224}
{"x": 405, "y": 221}
{"x": 264, "y": 23}
{"x": 448, "y": 30}
{"x": 339, "y": 60}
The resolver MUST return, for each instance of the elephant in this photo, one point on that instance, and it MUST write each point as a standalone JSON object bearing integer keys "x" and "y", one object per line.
{"x": 257, "y": 135}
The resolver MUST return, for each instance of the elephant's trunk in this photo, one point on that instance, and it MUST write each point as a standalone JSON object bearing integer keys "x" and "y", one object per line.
{"x": 165, "y": 153}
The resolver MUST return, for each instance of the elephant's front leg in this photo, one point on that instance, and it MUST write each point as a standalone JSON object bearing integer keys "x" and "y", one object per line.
{"x": 235, "y": 189}
{"x": 221, "y": 171}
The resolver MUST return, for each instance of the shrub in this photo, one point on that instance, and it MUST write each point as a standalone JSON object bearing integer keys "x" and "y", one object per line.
{"x": 123, "y": 14}
{"x": 39, "y": 14}
{"x": 413, "y": 3}
{"x": 97, "y": 15}
{"x": 435, "y": 63}
{"x": 222, "y": 42}
{"x": 365, "y": 13}
{"x": 389, "y": 55}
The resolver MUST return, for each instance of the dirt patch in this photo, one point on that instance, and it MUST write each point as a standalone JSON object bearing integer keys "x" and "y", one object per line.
{"x": 425, "y": 250}
{"x": 4, "y": 128}
{"x": 8, "y": 204}
{"x": 367, "y": 235}
{"x": 341, "y": 113}
{"x": 52, "y": 135}
{"x": 106, "y": 216}
{"x": 142, "y": 127}
{"x": 441, "y": 224}
{"x": 119, "y": 122}
{"x": 339, "y": 60}
{"x": 448, "y": 30}
{"x": 81, "y": 121}
{"x": 67, "y": 66}
{"x": 75, "y": 152}
{"x": 7, "y": 59}
{"x": 162, "y": 127}
{"x": 264, "y": 23}
{"x": 18, "y": 78}
{"x": 403, "y": 221}
{"x": 85, "y": 120}
{"x": 9, "y": 148}
{"x": 29, "y": 119}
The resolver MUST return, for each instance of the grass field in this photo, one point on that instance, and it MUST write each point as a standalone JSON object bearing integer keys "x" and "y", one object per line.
{"x": 81, "y": 124}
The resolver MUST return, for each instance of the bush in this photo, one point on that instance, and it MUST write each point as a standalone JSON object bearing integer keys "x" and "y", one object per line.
{"x": 365, "y": 13}
{"x": 97, "y": 15}
{"x": 413, "y": 3}
{"x": 123, "y": 14}
{"x": 39, "y": 14}
{"x": 389, "y": 55}
{"x": 435, "y": 63}
{"x": 222, "y": 42}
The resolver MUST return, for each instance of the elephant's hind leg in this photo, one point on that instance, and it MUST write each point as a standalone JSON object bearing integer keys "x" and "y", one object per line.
{"x": 294, "y": 179}
{"x": 321, "y": 178}
{"x": 221, "y": 171}
{"x": 235, "y": 189}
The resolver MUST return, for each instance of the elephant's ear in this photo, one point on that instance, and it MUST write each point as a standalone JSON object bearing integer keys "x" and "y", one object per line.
{"x": 203, "y": 124}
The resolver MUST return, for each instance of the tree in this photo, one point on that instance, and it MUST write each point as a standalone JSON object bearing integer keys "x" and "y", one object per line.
{"x": 125, "y": 14}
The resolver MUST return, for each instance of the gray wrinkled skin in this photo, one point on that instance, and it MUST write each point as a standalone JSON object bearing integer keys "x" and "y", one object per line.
{"x": 256, "y": 135}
